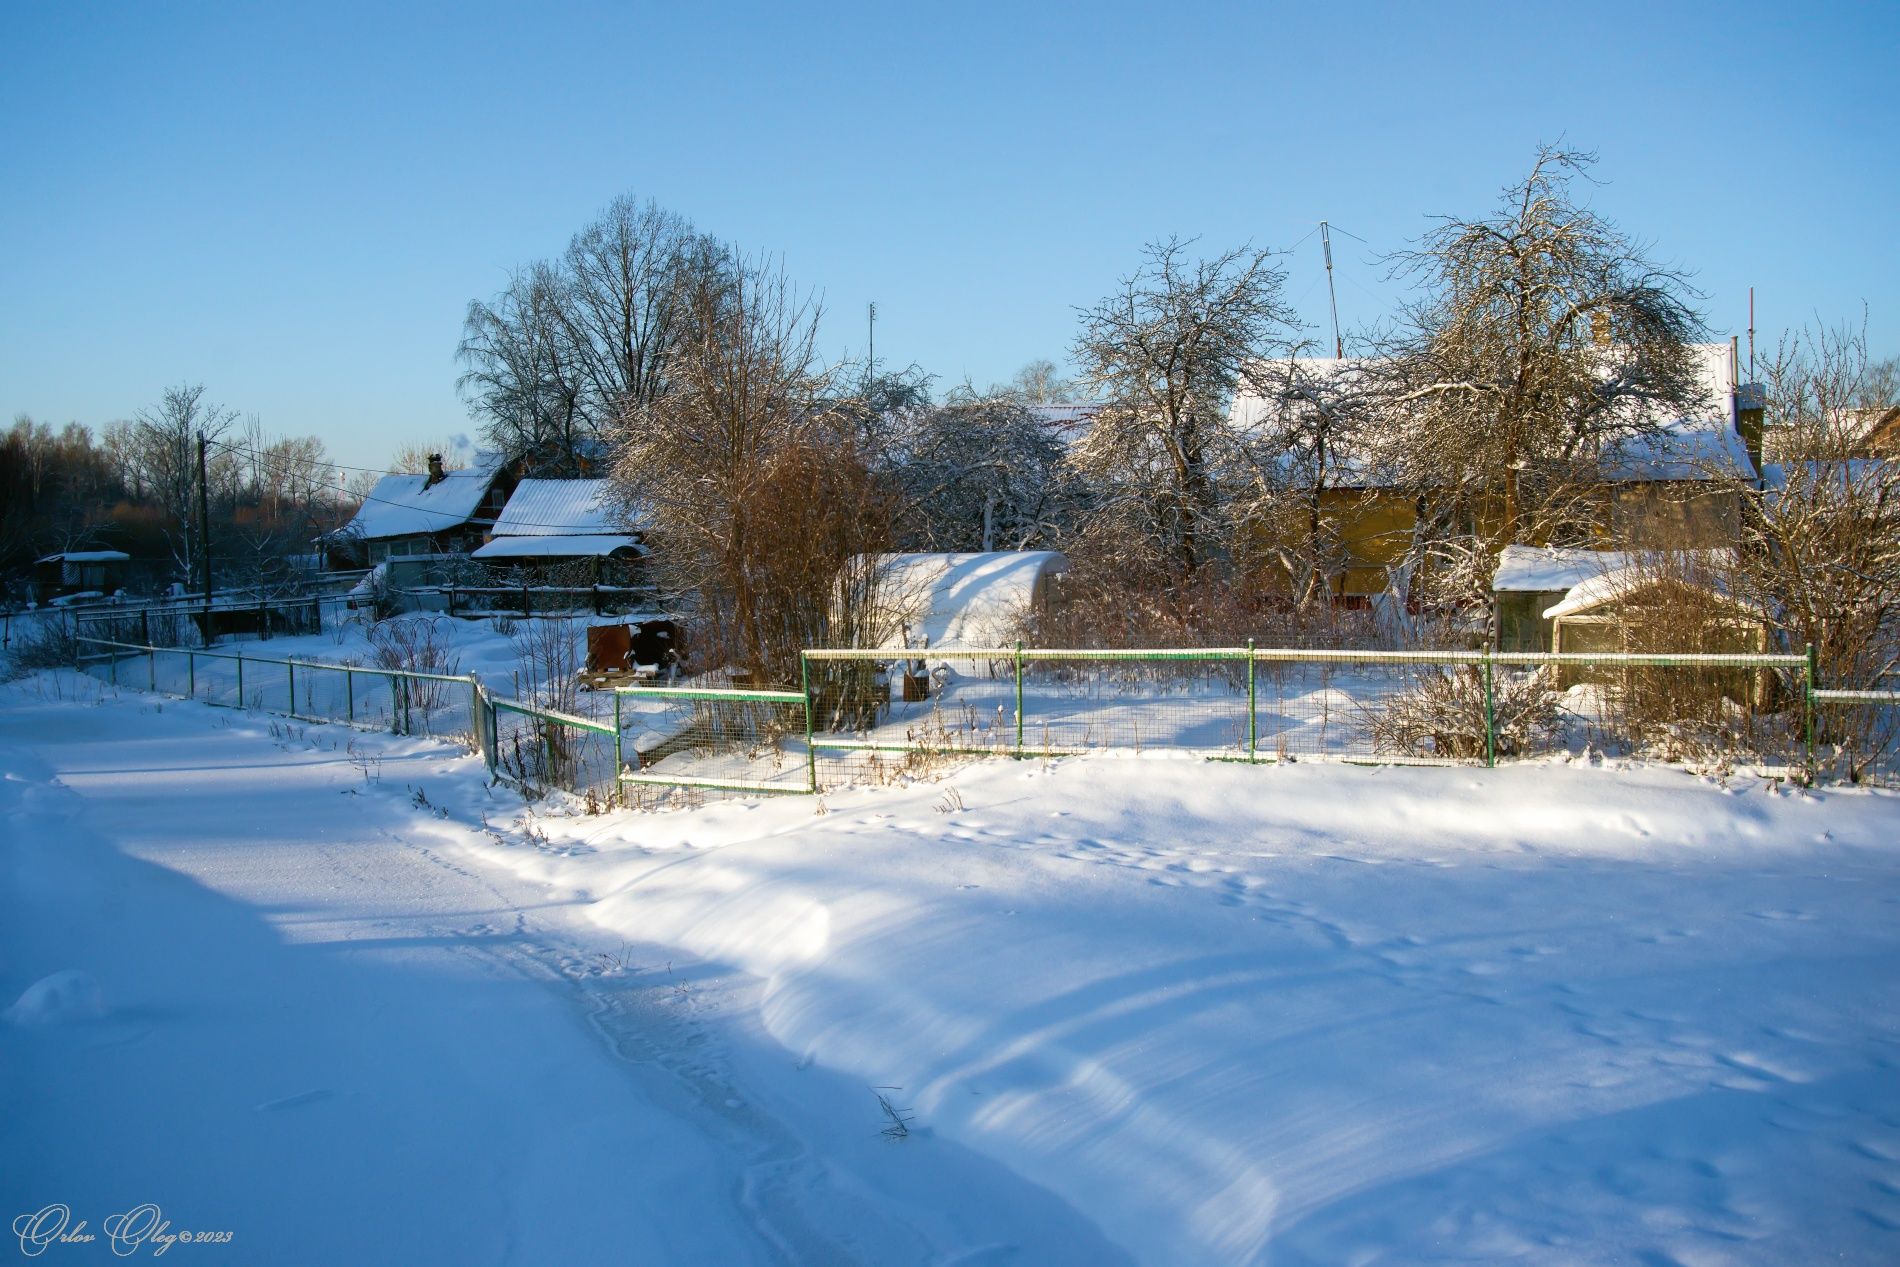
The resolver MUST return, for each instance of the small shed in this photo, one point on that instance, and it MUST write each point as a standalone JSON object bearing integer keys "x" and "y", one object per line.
{"x": 1619, "y": 610}
{"x": 1646, "y": 607}
{"x": 1530, "y": 579}
{"x": 71, "y": 572}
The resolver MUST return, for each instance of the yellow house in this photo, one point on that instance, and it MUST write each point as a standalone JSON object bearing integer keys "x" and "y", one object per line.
{"x": 1673, "y": 489}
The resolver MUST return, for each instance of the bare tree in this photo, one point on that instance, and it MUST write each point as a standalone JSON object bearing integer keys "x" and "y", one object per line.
{"x": 1165, "y": 353}
{"x": 412, "y": 457}
{"x": 1821, "y": 550}
{"x": 165, "y": 454}
{"x": 756, "y": 492}
{"x": 1545, "y": 334}
{"x": 1311, "y": 432}
{"x": 983, "y": 475}
{"x": 1037, "y": 383}
{"x": 621, "y": 309}
{"x": 524, "y": 380}
{"x": 57, "y": 490}
{"x": 575, "y": 343}
{"x": 1880, "y": 385}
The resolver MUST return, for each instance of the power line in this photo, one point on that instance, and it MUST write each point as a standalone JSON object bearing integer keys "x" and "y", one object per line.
{"x": 578, "y": 529}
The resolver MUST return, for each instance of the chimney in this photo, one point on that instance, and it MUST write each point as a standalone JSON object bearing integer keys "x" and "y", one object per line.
{"x": 435, "y": 471}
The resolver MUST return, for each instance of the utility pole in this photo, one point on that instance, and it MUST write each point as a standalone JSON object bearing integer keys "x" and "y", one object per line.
{"x": 204, "y": 527}
{"x": 870, "y": 369}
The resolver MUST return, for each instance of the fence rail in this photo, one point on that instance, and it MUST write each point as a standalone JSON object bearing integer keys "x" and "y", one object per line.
{"x": 875, "y": 714}
{"x": 727, "y": 739}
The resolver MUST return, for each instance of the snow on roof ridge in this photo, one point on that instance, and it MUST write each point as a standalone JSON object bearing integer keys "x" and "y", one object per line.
{"x": 1641, "y": 569}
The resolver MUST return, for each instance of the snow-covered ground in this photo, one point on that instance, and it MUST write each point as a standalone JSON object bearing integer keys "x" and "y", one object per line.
{"x": 327, "y": 991}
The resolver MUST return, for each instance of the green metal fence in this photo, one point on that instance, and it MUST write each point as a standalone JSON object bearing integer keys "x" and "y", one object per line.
{"x": 542, "y": 749}
{"x": 872, "y": 715}
{"x": 880, "y": 711}
{"x": 398, "y": 700}
{"x": 538, "y": 749}
{"x": 728, "y": 739}
{"x": 1856, "y": 734}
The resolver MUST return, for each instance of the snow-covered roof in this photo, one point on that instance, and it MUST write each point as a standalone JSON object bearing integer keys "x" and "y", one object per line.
{"x": 956, "y": 601}
{"x": 1701, "y": 446}
{"x": 1250, "y": 409}
{"x": 1302, "y": 375}
{"x": 1635, "y": 574}
{"x": 590, "y": 546}
{"x": 409, "y": 506}
{"x": 1543, "y": 569}
{"x": 554, "y": 508}
{"x": 1680, "y": 453}
{"x": 1849, "y": 471}
{"x": 88, "y": 556}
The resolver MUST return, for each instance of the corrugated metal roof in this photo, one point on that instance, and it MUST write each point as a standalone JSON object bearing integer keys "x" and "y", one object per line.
{"x": 591, "y": 546}
{"x": 553, "y": 508}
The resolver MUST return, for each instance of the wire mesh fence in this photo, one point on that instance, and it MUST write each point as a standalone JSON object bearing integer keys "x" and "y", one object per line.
{"x": 541, "y": 750}
{"x": 1857, "y": 735}
{"x": 183, "y": 624}
{"x": 874, "y": 715}
{"x": 400, "y": 701}
{"x": 716, "y": 738}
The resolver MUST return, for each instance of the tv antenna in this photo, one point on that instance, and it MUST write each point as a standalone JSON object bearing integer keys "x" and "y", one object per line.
{"x": 1332, "y": 295}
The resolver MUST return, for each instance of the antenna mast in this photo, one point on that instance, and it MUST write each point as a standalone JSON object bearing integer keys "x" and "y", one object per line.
{"x": 870, "y": 368}
{"x": 1326, "y": 245}
{"x": 1751, "y": 334}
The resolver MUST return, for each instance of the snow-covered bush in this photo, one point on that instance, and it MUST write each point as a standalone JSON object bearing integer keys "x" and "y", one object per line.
{"x": 46, "y": 644}
{"x": 1442, "y": 714}
{"x": 416, "y": 644}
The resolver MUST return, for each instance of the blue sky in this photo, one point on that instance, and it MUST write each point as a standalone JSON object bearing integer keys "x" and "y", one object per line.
{"x": 295, "y": 206}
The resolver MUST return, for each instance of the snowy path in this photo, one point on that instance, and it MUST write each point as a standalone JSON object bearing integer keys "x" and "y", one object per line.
{"x": 327, "y": 1032}
{"x": 1140, "y": 1008}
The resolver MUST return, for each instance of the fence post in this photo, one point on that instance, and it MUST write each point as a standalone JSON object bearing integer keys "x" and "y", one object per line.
{"x": 1019, "y": 697}
{"x": 491, "y": 735}
{"x": 349, "y": 693}
{"x": 145, "y": 625}
{"x": 240, "y": 673}
{"x": 115, "y": 666}
{"x": 811, "y": 753}
{"x": 1813, "y": 680}
{"x": 1490, "y": 715}
{"x": 191, "y": 673}
{"x": 290, "y": 674}
{"x": 617, "y": 767}
{"x": 151, "y": 668}
{"x": 1253, "y": 710}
